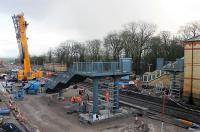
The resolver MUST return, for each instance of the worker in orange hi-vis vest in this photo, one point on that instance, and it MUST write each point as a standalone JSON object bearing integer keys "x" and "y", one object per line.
{"x": 78, "y": 99}
{"x": 107, "y": 96}
{"x": 72, "y": 99}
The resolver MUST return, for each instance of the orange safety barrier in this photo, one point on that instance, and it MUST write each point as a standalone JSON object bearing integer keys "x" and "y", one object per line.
{"x": 18, "y": 115}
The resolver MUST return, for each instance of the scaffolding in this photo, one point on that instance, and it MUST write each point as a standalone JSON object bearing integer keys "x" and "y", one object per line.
{"x": 176, "y": 71}
{"x": 111, "y": 100}
{"x": 176, "y": 86}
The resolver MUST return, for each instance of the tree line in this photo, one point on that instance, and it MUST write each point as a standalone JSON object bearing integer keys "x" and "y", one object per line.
{"x": 136, "y": 40}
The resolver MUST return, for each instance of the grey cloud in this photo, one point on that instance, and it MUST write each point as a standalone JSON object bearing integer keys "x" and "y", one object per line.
{"x": 90, "y": 18}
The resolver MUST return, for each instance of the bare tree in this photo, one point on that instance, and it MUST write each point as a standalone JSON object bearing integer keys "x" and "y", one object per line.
{"x": 59, "y": 54}
{"x": 113, "y": 42}
{"x": 75, "y": 51}
{"x": 49, "y": 56}
{"x": 139, "y": 35}
{"x": 94, "y": 49}
{"x": 165, "y": 37}
{"x": 38, "y": 60}
{"x": 190, "y": 30}
{"x": 82, "y": 52}
{"x": 66, "y": 47}
{"x": 106, "y": 53}
{"x": 126, "y": 41}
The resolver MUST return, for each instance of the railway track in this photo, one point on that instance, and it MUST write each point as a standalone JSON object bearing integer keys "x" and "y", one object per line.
{"x": 154, "y": 104}
{"x": 170, "y": 110}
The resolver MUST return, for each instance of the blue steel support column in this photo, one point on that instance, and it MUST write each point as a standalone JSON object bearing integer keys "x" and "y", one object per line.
{"x": 60, "y": 94}
{"x": 95, "y": 95}
{"x": 116, "y": 95}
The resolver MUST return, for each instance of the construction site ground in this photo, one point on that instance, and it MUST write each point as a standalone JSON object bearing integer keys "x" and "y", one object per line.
{"x": 8, "y": 118}
{"x": 50, "y": 115}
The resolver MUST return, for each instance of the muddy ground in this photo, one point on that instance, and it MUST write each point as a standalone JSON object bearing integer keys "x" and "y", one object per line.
{"x": 51, "y": 116}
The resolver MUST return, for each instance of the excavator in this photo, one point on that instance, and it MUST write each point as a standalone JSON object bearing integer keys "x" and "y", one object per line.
{"x": 26, "y": 73}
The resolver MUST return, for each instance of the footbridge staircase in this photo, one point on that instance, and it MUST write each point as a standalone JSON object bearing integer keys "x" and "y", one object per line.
{"x": 170, "y": 76}
{"x": 79, "y": 71}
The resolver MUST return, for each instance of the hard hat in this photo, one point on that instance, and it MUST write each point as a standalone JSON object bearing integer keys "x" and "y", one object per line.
{"x": 131, "y": 83}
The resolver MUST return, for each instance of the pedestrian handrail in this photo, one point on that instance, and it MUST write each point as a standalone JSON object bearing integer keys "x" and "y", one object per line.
{"x": 96, "y": 67}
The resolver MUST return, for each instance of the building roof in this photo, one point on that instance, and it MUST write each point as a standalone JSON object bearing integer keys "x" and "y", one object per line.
{"x": 194, "y": 39}
{"x": 147, "y": 73}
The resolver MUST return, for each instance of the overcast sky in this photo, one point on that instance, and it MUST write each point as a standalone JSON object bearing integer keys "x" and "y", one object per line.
{"x": 54, "y": 21}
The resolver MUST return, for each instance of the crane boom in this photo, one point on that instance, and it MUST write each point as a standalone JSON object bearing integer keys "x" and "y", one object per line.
{"x": 20, "y": 26}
